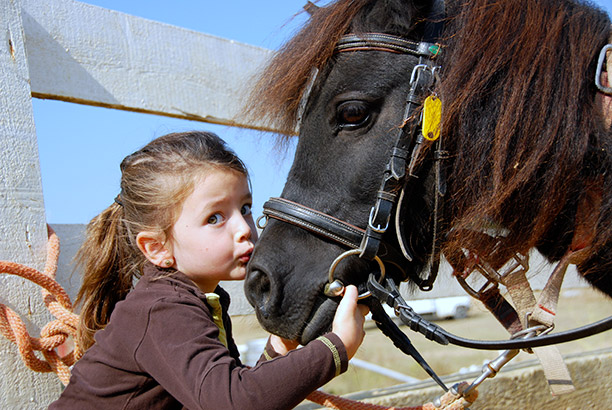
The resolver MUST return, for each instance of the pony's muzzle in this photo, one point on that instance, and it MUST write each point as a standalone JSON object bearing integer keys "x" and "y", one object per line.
{"x": 258, "y": 288}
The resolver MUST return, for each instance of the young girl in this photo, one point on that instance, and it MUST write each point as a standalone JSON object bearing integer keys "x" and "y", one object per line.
{"x": 181, "y": 224}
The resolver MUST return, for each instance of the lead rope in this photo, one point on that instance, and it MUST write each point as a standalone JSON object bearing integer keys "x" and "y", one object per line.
{"x": 454, "y": 399}
{"x": 54, "y": 333}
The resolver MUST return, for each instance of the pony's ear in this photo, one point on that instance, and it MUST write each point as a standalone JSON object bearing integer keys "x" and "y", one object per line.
{"x": 154, "y": 247}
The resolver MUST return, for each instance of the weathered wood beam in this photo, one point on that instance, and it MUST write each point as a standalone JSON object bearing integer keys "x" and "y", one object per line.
{"x": 90, "y": 55}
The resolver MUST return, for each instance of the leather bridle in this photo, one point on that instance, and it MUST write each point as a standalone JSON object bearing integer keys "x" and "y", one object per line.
{"x": 369, "y": 243}
{"x": 408, "y": 143}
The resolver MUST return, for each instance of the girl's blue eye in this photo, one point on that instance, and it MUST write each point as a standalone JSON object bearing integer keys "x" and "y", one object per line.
{"x": 246, "y": 209}
{"x": 215, "y": 219}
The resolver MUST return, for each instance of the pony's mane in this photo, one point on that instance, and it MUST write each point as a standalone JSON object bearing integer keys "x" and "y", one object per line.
{"x": 521, "y": 123}
{"x": 279, "y": 88}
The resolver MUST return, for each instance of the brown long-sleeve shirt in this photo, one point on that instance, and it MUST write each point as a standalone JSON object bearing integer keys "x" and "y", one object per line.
{"x": 163, "y": 350}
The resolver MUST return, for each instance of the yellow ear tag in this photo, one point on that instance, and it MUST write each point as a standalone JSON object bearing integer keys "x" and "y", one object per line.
{"x": 432, "y": 114}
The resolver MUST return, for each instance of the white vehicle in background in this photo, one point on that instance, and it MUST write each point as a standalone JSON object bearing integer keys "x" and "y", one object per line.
{"x": 452, "y": 307}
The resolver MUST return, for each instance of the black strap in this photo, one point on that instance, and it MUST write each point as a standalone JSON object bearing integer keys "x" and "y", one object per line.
{"x": 399, "y": 339}
{"x": 392, "y": 297}
{"x": 313, "y": 221}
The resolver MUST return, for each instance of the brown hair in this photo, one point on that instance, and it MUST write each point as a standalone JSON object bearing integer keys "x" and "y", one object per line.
{"x": 520, "y": 121}
{"x": 155, "y": 181}
{"x": 279, "y": 88}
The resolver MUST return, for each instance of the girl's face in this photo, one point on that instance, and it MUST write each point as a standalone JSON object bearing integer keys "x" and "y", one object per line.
{"x": 213, "y": 237}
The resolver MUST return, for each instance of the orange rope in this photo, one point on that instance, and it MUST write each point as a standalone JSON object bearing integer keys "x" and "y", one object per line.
{"x": 449, "y": 401}
{"x": 56, "y": 332}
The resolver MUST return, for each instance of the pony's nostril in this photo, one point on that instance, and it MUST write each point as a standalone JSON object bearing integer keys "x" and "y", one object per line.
{"x": 257, "y": 287}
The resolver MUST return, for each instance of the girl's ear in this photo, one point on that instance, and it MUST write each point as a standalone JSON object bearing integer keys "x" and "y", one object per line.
{"x": 154, "y": 247}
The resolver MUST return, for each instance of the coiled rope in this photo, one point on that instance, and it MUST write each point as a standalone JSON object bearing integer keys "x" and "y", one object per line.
{"x": 54, "y": 333}
{"x": 57, "y": 332}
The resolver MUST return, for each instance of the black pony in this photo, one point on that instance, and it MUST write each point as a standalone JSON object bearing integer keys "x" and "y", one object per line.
{"x": 524, "y": 152}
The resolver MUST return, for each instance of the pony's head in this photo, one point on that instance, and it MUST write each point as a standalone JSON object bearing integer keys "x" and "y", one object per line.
{"x": 521, "y": 139}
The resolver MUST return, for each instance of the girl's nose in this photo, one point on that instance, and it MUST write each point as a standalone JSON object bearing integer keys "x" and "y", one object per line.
{"x": 243, "y": 229}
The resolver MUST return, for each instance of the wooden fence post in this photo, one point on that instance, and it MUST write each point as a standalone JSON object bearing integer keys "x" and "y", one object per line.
{"x": 23, "y": 231}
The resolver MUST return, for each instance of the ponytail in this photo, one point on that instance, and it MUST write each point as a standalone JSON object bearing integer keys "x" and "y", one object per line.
{"x": 109, "y": 264}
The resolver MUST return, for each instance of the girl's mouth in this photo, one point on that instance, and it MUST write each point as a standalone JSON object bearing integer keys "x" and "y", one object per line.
{"x": 246, "y": 257}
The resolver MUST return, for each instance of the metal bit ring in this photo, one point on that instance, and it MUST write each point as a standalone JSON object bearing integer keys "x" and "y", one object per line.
{"x": 335, "y": 287}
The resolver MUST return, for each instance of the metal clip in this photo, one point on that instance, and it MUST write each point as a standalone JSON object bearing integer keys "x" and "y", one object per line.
{"x": 415, "y": 72}
{"x": 491, "y": 369}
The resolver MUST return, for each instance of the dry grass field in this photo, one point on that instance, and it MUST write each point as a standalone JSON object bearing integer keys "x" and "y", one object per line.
{"x": 576, "y": 308}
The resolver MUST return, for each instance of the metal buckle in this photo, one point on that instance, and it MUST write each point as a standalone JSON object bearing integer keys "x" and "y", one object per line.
{"x": 376, "y": 229}
{"x": 493, "y": 277}
{"x": 600, "y": 66}
{"x": 492, "y": 282}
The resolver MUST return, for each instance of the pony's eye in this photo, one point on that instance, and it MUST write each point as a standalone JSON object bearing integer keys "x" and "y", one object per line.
{"x": 352, "y": 114}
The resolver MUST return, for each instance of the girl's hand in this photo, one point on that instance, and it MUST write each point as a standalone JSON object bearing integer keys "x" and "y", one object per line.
{"x": 349, "y": 320}
{"x": 282, "y": 346}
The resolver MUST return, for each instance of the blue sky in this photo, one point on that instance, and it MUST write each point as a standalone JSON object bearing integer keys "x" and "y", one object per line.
{"x": 80, "y": 147}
